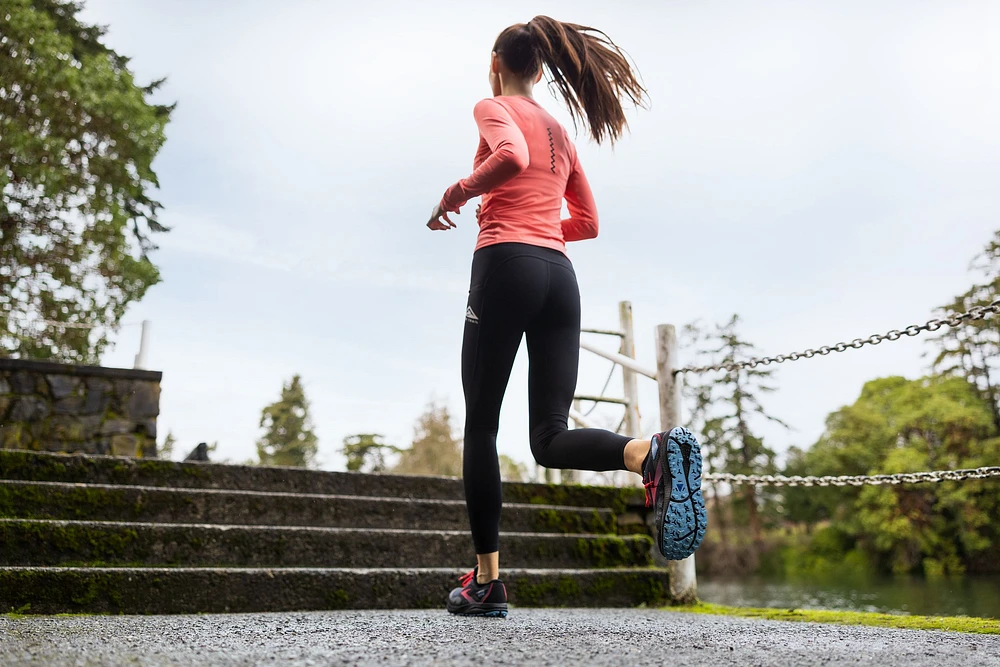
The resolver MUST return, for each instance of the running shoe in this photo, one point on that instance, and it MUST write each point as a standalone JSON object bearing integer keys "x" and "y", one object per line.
{"x": 672, "y": 477}
{"x": 475, "y": 599}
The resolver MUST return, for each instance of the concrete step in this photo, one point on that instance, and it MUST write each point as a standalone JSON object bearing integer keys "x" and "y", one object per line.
{"x": 96, "y": 543}
{"x": 210, "y": 590}
{"x": 78, "y": 468}
{"x": 147, "y": 504}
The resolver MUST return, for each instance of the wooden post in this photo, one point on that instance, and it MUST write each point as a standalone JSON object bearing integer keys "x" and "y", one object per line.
{"x": 632, "y": 427}
{"x": 683, "y": 584}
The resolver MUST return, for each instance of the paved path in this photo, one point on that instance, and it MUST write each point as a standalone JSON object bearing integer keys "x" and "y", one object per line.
{"x": 527, "y": 637}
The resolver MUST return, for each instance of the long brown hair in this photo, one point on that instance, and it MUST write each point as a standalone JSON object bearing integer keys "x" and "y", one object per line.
{"x": 588, "y": 70}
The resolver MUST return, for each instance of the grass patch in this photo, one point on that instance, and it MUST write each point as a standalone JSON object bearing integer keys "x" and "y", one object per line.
{"x": 982, "y": 626}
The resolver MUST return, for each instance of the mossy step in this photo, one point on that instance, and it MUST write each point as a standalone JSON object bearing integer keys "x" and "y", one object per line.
{"x": 210, "y": 590}
{"x": 79, "y": 468}
{"x": 147, "y": 504}
{"x": 49, "y": 543}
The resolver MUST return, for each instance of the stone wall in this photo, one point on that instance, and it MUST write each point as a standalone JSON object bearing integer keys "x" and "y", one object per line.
{"x": 67, "y": 408}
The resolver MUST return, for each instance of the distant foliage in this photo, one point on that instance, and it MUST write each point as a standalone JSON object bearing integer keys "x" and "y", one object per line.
{"x": 167, "y": 448}
{"x": 367, "y": 452}
{"x": 435, "y": 449}
{"x": 512, "y": 470}
{"x": 288, "y": 438}
{"x": 899, "y": 425}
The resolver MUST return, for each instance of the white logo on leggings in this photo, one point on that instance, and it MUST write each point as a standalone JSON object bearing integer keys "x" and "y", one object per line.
{"x": 471, "y": 316}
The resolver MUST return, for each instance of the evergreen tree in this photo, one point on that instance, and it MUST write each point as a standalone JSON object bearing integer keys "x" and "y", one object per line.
{"x": 972, "y": 349}
{"x": 435, "y": 449}
{"x": 722, "y": 410}
{"x": 288, "y": 438}
{"x": 78, "y": 138}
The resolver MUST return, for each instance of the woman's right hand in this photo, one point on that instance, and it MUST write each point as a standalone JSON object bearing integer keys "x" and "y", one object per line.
{"x": 439, "y": 220}
{"x": 478, "y": 208}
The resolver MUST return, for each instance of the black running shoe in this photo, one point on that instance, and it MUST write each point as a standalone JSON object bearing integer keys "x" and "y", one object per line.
{"x": 475, "y": 599}
{"x": 672, "y": 477}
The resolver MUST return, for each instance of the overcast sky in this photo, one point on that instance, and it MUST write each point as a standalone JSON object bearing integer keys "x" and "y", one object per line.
{"x": 825, "y": 169}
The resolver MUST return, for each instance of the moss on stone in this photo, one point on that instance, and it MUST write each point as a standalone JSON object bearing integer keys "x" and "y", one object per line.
{"x": 651, "y": 592}
{"x": 606, "y": 525}
{"x": 554, "y": 521}
{"x": 97, "y": 586}
{"x": 638, "y": 586}
{"x": 381, "y": 589}
{"x": 33, "y": 502}
{"x": 602, "y": 586}
{"x": 614, "y": 551}
{"x": 529, "y": 594}
{"x": 195, "y": 471}
{"x": 339, "y": 599}
{"x": 49, "y": 539}
{"x": 616, "y": 499}
{"x": 13, "y": 434}
{"x": 87, "y": 595}
{"x": 568, "y": 587}
{"x": 560, "y": 521}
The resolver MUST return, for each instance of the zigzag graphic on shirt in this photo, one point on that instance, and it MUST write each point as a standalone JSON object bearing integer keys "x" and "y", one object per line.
{"x": 552, "y": 150}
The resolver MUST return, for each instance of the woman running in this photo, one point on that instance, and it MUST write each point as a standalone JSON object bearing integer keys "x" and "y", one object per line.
{"x": 523, "y": 284}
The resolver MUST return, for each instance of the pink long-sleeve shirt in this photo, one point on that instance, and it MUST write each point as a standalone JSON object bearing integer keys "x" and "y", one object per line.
{"x": 525, "y": 166}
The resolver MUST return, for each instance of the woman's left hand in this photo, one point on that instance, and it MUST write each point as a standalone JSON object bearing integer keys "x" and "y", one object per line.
{"x": 439, "y": 220}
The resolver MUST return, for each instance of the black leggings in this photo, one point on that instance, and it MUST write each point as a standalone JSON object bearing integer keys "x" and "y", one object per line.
{"x": 519, "y": 290}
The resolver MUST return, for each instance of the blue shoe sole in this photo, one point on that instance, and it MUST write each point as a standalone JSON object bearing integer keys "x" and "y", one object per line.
{"x": 685, "y": 519}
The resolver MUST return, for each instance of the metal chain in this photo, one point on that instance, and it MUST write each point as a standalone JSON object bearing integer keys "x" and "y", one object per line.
{"x": 977, "y": 313}
{"x": 857, "y": 480}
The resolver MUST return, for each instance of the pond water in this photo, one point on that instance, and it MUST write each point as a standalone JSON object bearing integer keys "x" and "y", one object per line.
{"x": 965, "y": 596}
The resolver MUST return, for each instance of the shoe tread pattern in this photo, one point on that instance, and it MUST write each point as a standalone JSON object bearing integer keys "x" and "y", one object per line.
{"x": 685, "y": 519}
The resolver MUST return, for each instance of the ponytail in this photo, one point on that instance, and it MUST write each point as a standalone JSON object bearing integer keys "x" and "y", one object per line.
{"x": 589, "y": 71}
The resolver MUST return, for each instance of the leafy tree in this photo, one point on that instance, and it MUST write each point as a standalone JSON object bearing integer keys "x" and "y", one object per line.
{"x": 435, "y": 449}
{"x": 288, "y": 439}
{"x": 77, "y": 140}
{"x": 899, "y": 425}
{"x": 723, "y": 408}
{"x": 366, "y": 452}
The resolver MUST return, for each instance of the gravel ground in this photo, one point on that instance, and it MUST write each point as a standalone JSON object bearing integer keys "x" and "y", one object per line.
{"x": 527, "y": 637}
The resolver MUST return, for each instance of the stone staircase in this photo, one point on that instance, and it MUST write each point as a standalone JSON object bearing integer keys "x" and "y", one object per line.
{"x": 120, "y": 535}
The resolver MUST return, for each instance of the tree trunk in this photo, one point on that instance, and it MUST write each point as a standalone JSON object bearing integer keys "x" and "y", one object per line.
{"x": 720, "y": 520}
{"x": 750, "y": 496}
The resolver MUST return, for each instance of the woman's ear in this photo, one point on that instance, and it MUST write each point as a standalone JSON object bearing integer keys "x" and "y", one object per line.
{"x": 538, "y": 77}
{"x": 495, "y": 63}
